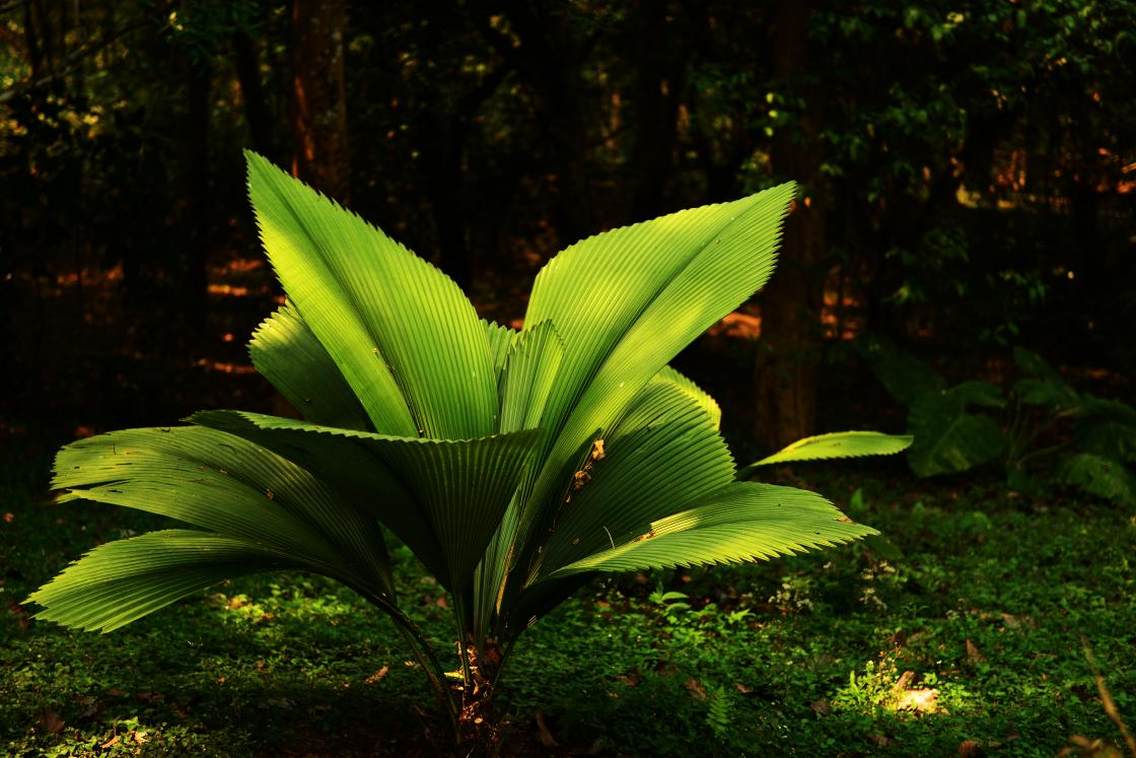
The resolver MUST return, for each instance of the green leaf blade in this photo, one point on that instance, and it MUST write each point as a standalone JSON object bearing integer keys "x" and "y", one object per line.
{"x": 948, "y": 438}
{"x": 445, "y": 498}
{"x": 743, "y": 522}
{"x": 836, "y": 445}
{"x": 408, "y": 341}
{"x": 123, "y": 581}
{"x": 663, "y": 454}
{"x": 627, "y": 301}
{"x": 286, "y": 352}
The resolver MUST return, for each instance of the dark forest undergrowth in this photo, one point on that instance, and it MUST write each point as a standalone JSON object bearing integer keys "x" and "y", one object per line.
{"x": 965, "y": 632}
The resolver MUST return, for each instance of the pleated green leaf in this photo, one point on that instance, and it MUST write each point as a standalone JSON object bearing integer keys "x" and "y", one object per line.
{"x": 744, "y": 521}
{"x": 500, "y": 339}
{"x": 230, "y": 486}
{"x": 836, "y": 445}
{"x": 527, "y": 378}
{"x": 460, "y": 487}
{"x": 529, "y": 364}
{"x": 352, "y": 467}
{"x": 287, "y": 353}
{"x": 627, "y": 301}
{"x": 122, "y": 581}
{"x": 407, "y": 340}
{"x": 699, "y": 395}
{"x": 663, "y": 454}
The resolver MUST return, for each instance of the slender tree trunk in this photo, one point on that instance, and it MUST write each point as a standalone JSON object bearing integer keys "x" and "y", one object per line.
{"x": 32, "y": 40}
{"x": 319, "y": 95}
{"x": 196, "y": 218}
{"x": 786, "y": 367}
{"x": 247, "y": 60}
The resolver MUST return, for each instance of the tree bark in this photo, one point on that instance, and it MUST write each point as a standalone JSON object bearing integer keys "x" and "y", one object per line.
{"x": 247, "y": 60}
{"x": 785, "y": 374}
{"x": 319, "y": 95}
{"x": 197, "y": 214}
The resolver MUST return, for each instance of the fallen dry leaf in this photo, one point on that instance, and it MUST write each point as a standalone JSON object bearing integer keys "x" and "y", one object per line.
{"x": 378, "y": 676}
{"x": 973, "y": 654}
{"x": 695, "y": 688}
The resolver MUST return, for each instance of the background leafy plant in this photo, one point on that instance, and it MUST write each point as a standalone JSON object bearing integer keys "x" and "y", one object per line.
{"x": 1038, "y": 425}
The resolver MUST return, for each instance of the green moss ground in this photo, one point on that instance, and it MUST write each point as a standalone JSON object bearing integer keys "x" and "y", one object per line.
{"x": 984, "y": 597}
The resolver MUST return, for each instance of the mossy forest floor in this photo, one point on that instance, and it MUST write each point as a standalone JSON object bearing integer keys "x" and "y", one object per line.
{"x": 965, "y": 634}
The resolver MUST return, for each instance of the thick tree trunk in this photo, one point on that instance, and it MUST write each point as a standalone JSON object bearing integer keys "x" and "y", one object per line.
{"x": 786, "y": 368}
{"x": 319, "y": 90}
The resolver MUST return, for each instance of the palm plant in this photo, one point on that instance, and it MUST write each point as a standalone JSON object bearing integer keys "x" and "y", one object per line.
{"x": 514, "y": 464}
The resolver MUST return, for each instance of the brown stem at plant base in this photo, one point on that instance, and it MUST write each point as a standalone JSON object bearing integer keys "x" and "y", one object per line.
{"x": 479, "y": 727}
{"x": 469, "y": 703}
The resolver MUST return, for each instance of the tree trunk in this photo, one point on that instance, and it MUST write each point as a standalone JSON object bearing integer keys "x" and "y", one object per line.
{"x": 786, "y": 368}
{"x": 259, "y": 120}
{"x": 196, "y": 218}
{"x": 319, "y": 95}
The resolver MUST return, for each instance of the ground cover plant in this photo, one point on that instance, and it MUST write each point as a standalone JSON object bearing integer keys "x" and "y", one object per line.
{"x": 514, "y": 465}
{"x": 987, "y": 605}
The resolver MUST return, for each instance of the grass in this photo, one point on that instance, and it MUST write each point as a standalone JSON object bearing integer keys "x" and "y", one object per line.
{"x": 964, "y": 630}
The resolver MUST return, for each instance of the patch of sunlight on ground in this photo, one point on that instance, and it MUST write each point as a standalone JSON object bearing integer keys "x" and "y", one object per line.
{"x": 882, "y": 687}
